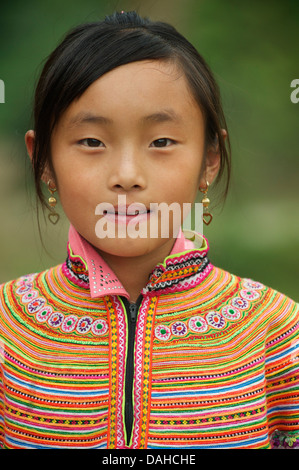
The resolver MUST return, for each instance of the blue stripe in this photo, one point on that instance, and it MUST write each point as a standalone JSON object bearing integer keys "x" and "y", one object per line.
{"x": 24, "y": 444}
{"x": 284, "y": 353}
{"x": 283, "y": 408}
{"x": 186, "y": 393}
{"x": 53, "y": 391}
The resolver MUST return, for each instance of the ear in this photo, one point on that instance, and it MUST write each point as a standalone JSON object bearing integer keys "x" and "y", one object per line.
{"x": 30, "y": 142}
{"x": 212, "y": 163}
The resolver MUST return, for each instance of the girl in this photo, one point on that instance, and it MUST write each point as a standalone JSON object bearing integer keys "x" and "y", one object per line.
{"x": 138, "y": 341}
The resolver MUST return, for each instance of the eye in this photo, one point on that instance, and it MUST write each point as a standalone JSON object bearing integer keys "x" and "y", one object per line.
{"x": 163, "y": 142}
{"x": 90, "y": 142}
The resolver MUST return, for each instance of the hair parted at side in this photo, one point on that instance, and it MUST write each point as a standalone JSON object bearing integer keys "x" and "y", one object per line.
{"x": 92, "y": 49}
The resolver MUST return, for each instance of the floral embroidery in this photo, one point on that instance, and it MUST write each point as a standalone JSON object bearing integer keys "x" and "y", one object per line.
{"x": 198, "y": 324}
{"x": 240, "y": 303}
{"x": 29, "y": 296}
{"x": 230, "y": 313}
{"x": 43, "y": 314}
{"x": 36, "y": 305}
{"x": 99, "y": 327}
{"x": 249, "y": 284}
{"x": 215, "y": 319}
{"x": 56, "y": 319}
{"x": 25, "y": 281}
{"x": 284, "y": 439}
{"x": 24, "y": 288}
{"x": 162, "y": 332}
{"x": 179, "y": 328}
{"x": 249, "y": 294}
{"x": 84, "y": 324}
{"x": 69, "y": 323}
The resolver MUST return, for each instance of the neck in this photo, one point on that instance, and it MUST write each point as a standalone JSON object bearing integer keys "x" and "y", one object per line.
{"x": 133, "y": 272}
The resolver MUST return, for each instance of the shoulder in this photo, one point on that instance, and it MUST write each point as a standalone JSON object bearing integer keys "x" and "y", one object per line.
{"x": 24, "y": 282}
{"x": 22, "y": 294}
{"x": 49, "y": 305}
{"x": 246, "y": 293}
{"x": 21, "y": 284}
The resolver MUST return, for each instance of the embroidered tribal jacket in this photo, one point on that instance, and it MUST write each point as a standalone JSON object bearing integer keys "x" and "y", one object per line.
{"x": 203, "y": 359}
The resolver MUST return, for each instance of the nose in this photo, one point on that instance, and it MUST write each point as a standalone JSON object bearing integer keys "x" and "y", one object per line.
{"x": 127, "y": 171}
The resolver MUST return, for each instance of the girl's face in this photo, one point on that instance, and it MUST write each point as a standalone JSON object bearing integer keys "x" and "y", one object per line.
{"x": 135, "y": 132}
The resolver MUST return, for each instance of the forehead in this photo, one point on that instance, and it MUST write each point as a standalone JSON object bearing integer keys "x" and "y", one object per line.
{"x": 141, "y": 73}
{"x": 156, "y": 90}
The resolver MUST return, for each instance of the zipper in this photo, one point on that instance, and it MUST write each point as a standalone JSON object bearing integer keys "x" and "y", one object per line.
{"x": 132, "y": 312}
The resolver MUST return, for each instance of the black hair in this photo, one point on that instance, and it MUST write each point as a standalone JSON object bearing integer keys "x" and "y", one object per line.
{"x": 92, "y": 49}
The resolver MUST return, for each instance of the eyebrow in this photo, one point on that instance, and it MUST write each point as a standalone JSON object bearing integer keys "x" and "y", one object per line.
{"x": 165, "y": 115}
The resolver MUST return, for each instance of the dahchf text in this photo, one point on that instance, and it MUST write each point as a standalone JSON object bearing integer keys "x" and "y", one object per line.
{"x": 175, "y": 459}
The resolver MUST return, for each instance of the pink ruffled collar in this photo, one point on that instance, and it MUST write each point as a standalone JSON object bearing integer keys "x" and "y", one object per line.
{"x": 87, "y": 267}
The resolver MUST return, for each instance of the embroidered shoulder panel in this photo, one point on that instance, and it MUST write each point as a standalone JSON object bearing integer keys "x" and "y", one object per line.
{"x": 60, "y": 312}
{"x": 211, "y": 314}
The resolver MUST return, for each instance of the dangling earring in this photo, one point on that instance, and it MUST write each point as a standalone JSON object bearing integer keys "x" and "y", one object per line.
{"x": 52, "y": 216}
{"x": 206, "y": 216}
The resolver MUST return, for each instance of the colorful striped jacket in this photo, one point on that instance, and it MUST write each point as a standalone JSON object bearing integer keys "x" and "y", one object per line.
{"x": 203, "y": 359}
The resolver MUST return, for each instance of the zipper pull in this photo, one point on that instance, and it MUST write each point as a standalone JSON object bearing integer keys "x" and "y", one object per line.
{"x": 133, "y": 311}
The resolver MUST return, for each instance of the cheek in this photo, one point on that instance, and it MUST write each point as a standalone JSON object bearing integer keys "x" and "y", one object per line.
{"x": 183, "y": 184}
{"x": 73, "y": 182}
{"x": 182, "y": 192}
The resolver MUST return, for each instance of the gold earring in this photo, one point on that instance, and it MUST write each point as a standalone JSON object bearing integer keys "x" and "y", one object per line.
{"x": 206, "y": 216}
{"x": 52, "y": 216}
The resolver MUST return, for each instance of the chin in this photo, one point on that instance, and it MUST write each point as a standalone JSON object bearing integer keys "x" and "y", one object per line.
{"x": 127, "y": 247}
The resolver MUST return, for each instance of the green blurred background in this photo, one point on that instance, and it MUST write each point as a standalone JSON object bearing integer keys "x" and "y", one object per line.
{"x": 252, "y": 47}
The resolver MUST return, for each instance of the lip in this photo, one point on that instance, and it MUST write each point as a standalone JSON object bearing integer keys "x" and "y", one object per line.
{"x": 123, "y": 214}
{"x": 131, "y": 209}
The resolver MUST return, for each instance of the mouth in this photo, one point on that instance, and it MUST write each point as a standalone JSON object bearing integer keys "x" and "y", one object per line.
{"x": 131, "y": 210}
{"x": 130, "y": 214}
{"x": 125, "y": 214}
